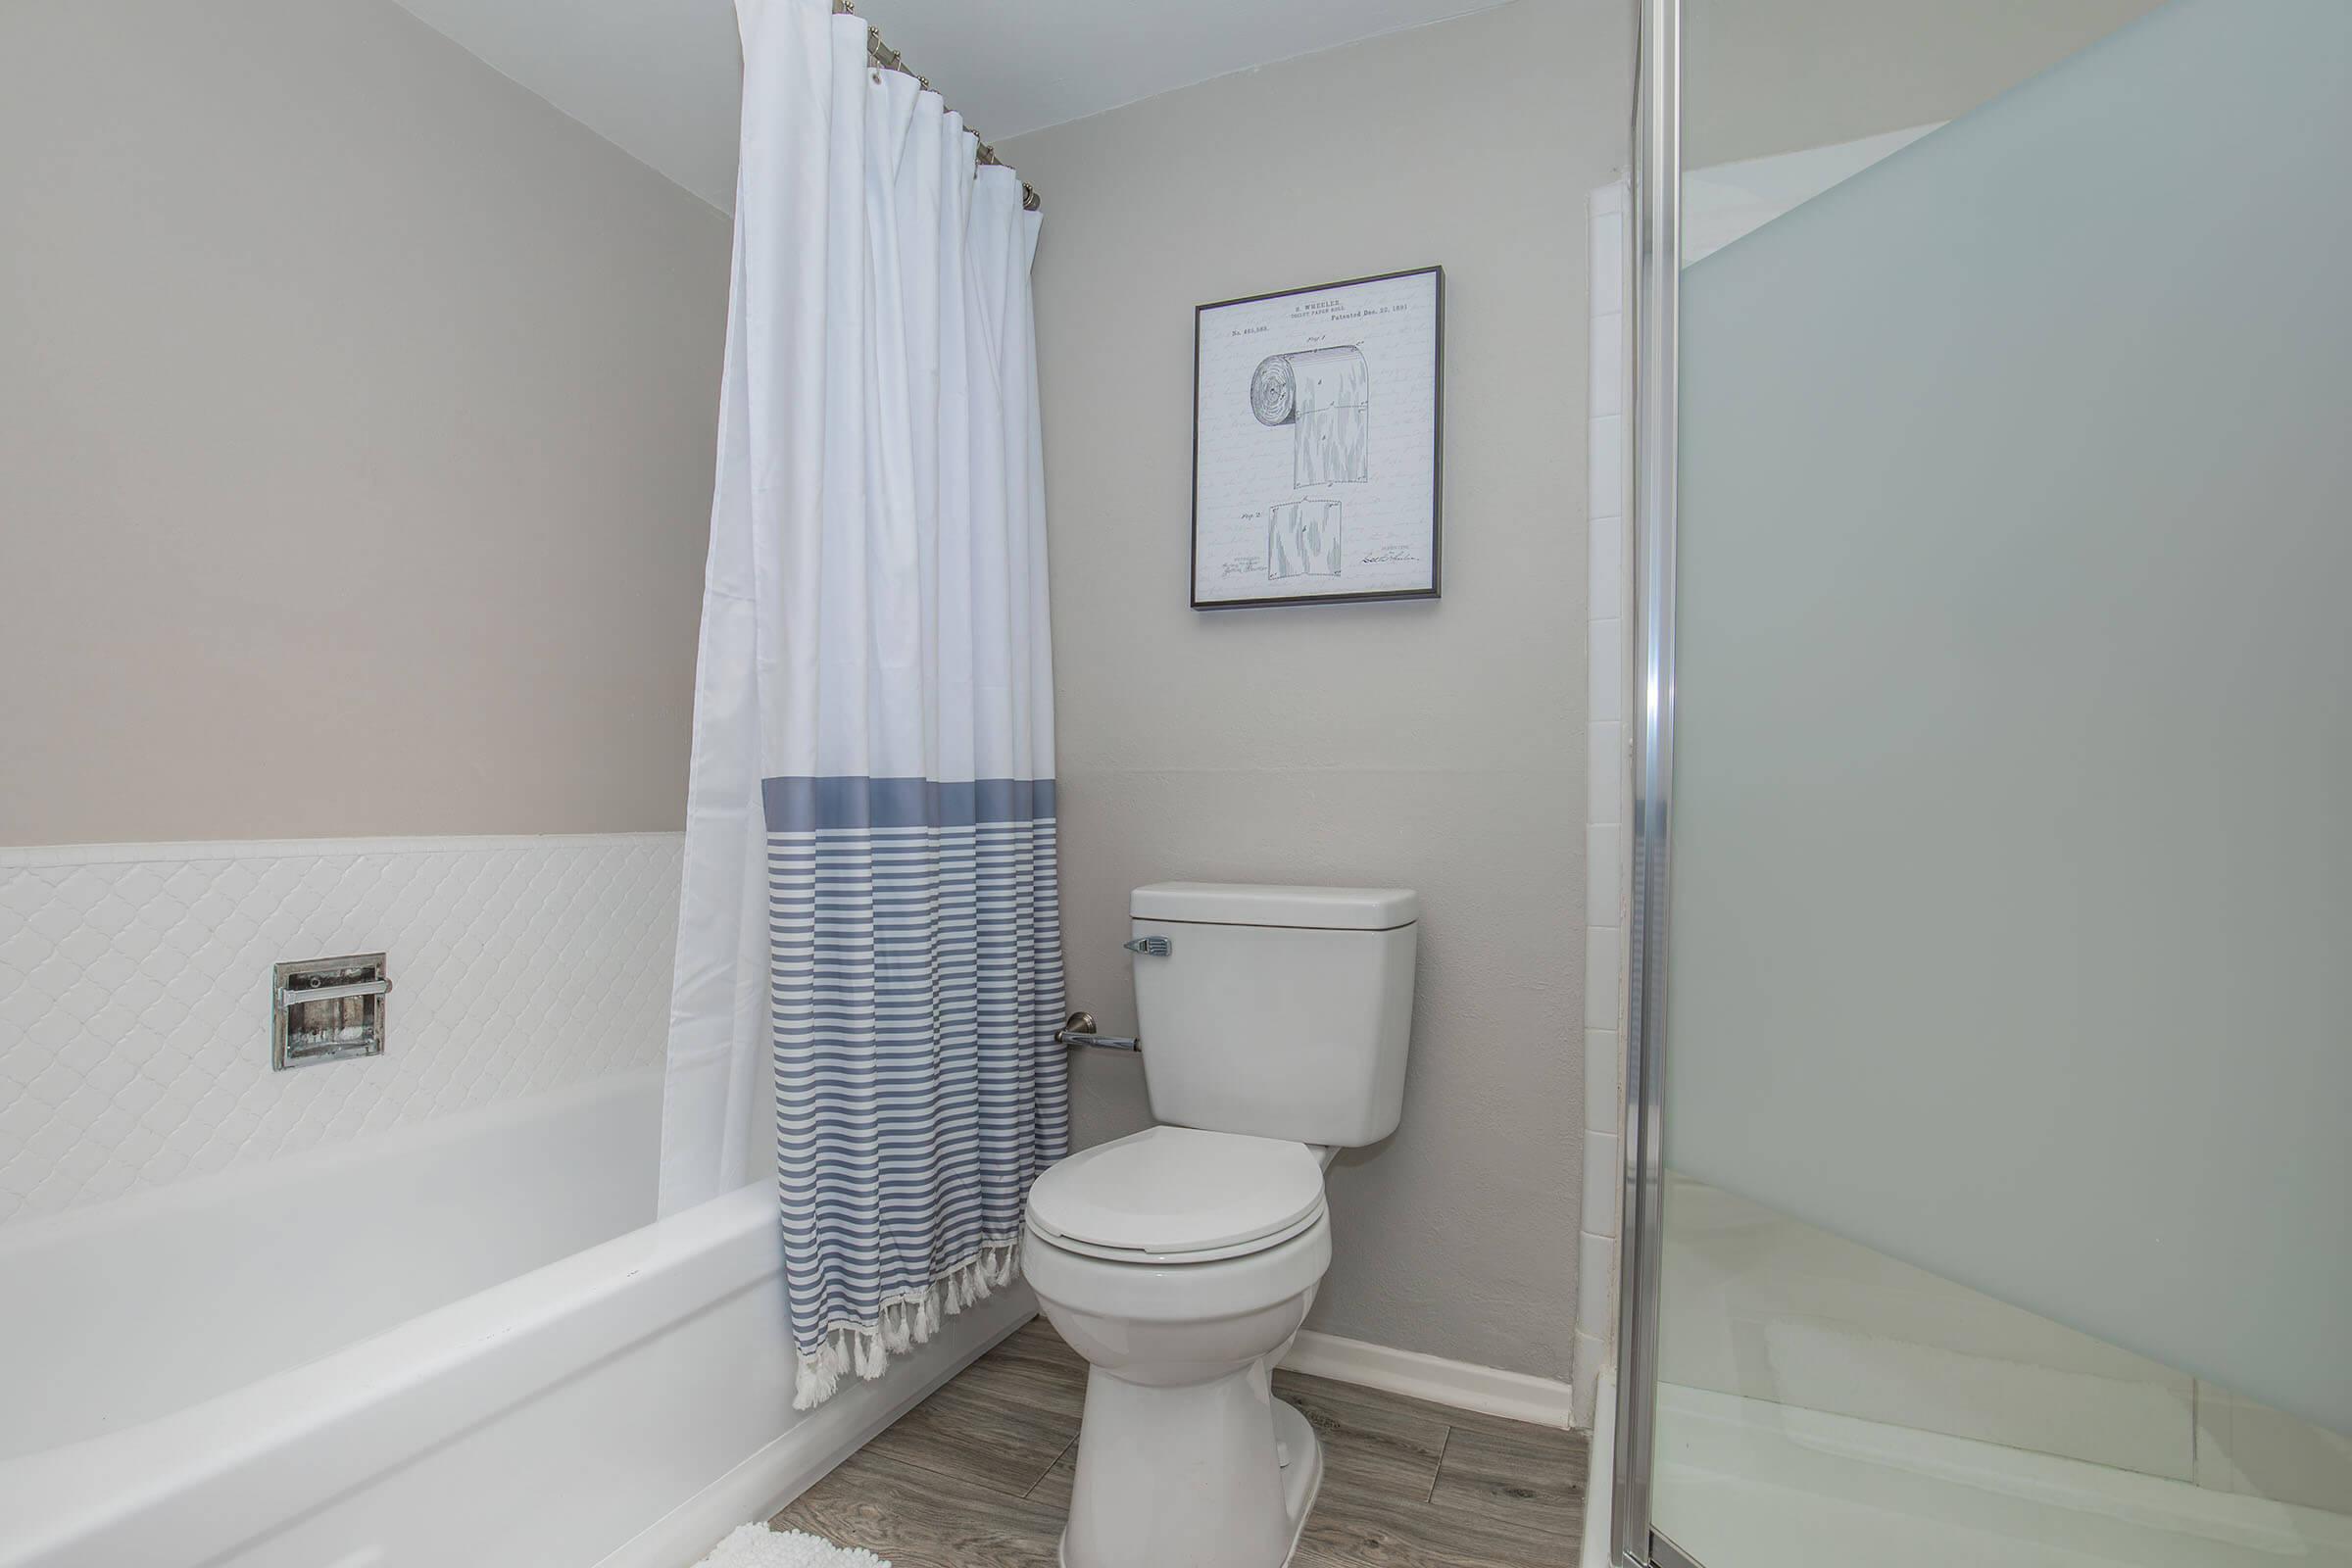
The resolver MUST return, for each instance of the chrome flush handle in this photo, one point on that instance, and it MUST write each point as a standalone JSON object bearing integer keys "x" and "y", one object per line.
{"x": 1149, "y": 947}
{"x": 1079, "y": 1030}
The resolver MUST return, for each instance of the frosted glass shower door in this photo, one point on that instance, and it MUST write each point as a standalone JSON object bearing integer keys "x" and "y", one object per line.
{"x": 2007, "y": 1094}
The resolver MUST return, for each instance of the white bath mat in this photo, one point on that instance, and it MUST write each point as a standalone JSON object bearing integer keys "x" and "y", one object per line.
{"x": 757, "y": 1547}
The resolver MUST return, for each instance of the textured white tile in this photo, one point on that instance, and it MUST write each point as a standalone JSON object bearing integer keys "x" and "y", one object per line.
{"x": 1608, "y": 262}
{"x": 1590, "y": 1357}
{"x": 1601, "y": 1067}
{"x": 1595, "y": 1257}
{"x": 1604, "y": 564}
{"x": 1604, "y": 470}
{"x": 1604, "y": 952}
{"x": 135, "y": 993}
{"x": 1605, "y": 793}
{"x": 1605, "y": 670}
{"x": 1603, "y": 1176}
{"x": 1604, "y": 771}
{"x": 1605, "y": 869}
{"x": 1607, "y": 390}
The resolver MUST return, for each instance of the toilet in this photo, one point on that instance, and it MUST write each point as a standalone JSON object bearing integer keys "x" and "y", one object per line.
{"x": 1181, "y": 1261}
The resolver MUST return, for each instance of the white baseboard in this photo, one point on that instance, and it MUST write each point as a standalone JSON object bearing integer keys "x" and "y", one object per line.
{"x": 808, "y": 1451}
{"x": 1490, "y": 1390}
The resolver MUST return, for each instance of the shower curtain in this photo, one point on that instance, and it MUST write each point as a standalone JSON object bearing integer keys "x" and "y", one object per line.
{"x": 868, "y": 937}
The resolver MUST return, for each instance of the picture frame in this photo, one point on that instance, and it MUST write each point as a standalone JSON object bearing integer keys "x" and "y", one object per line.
{"x": 1318, "y": 443}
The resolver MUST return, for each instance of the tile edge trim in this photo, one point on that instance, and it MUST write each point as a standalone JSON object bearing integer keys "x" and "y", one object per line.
{"x": 197, "y": 850}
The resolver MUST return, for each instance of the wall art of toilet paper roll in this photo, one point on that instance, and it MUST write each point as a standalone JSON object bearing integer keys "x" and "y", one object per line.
{"x": 1303, "y": 539}
{"x": 1326, "y": 396}
{"x": 1285, "y": 441}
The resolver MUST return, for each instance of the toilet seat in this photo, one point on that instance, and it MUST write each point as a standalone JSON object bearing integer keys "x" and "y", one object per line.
{"x": 1174, "y": 1195}
{"x": 1209, "y": 1254}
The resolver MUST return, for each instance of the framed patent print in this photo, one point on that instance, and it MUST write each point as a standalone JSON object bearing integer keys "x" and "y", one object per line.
{"x": 1316, "y": 441}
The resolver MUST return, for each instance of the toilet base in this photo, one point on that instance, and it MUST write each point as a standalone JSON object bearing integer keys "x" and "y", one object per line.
{"x": 1302, "y": 1476}
{"x": 1209, "y": 1544}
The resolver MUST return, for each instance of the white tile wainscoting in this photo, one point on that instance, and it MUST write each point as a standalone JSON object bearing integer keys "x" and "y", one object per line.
{"x": 136, "y": 994}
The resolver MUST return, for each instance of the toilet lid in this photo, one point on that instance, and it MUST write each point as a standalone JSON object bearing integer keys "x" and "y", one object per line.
{"x": 1178, "y": 1190}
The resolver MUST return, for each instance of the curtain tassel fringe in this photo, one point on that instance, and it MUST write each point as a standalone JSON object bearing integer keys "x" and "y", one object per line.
{"x": 905, "y": 1321}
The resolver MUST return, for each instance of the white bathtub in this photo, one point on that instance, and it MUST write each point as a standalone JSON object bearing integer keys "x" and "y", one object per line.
{"x": 461, "y": 1344}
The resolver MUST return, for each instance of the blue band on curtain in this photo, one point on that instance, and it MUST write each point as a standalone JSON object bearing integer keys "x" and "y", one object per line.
{"x": 914, "y": 944}
{"x": 807, "y": 805}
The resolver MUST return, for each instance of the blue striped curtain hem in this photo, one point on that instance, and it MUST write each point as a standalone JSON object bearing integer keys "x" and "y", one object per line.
{"x": 914, "y": 945}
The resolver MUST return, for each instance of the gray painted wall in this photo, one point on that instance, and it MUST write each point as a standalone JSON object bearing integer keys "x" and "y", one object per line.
{"x": 1439, "y": 746}
{"x": 356, "y": 427}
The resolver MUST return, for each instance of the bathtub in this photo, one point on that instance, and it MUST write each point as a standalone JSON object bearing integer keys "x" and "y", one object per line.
{"x": 463, "y": 1343}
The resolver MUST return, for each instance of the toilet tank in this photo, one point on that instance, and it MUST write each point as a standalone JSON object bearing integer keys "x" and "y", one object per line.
{"x": 1277, "y": 1011}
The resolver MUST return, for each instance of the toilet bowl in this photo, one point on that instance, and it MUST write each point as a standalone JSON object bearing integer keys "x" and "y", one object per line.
{"x": 1143, "y": 1257}
{"x": 1180, "y": 1262}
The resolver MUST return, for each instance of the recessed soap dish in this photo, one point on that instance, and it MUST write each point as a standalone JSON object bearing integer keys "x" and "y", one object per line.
{"x": 327, "y": 1010}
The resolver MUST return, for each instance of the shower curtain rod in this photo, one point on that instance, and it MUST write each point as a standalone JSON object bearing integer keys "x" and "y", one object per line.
{"x": 889, "y": 58}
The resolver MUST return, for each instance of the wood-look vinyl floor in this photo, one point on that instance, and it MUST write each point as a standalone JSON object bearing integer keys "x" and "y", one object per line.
{"x": 978, "y": 1476}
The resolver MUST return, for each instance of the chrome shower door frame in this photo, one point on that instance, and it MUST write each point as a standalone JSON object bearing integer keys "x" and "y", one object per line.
{"x": 1657, "y": 272}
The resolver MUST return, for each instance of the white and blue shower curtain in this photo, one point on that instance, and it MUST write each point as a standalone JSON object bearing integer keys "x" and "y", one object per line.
{"x": 868, "y": 938}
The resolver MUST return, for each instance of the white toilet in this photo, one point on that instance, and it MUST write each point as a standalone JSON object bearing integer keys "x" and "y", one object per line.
{"x": 1181, "y": 1261}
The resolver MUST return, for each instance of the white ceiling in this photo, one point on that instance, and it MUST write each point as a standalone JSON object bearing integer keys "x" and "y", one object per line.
{"x": 661, "y": 77}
